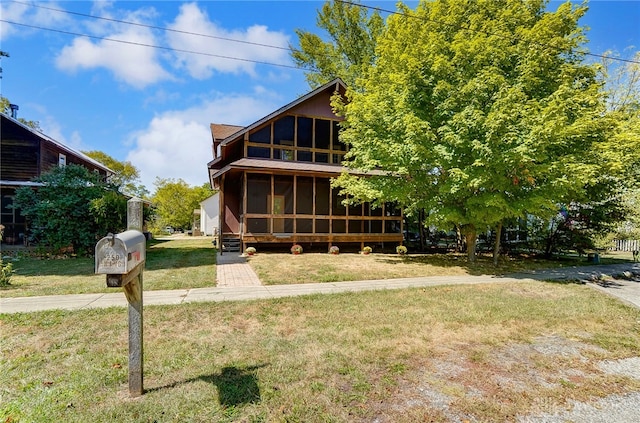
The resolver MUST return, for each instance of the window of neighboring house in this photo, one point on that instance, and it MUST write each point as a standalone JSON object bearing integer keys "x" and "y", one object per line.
{"x": 62, "y": 160}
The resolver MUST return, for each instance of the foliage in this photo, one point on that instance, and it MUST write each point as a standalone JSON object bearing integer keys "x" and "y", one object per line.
{"x": 351, "y": 47}
{"x": 6, "y": 109}
{"x": 296, "y": 249}
{"x": 481, "y": 111}
{"x": 175, "y": 202}
{"x": 61, "y": 211}
{"x": 367, "y": 250}
{"x": 250, "y": 250}
{"x": 126, "y": 176}
{"x": 334, "y": 250}
{"x": 401, "y": 249}
{"x": 623, "y": 89}
{"x": 6, "y": 271}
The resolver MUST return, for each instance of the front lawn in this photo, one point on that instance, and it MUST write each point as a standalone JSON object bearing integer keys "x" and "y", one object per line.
{"x": 171, "y": 264}
{"x": 450, "y": 353}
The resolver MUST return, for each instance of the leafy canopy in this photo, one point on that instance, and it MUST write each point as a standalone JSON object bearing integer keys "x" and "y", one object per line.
{"x": 479, "y": 110}
{"x": 73, "y": 207}
{"x": 175, "y": 202}
{"x": 126, "y": 176}
{"x": 350, "y": 47}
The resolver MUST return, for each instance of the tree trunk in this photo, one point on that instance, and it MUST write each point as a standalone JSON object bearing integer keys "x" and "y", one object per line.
{"x": 496, "y": 247}
{"x": 421, "y": 228}
{"x": 471, "y": 236}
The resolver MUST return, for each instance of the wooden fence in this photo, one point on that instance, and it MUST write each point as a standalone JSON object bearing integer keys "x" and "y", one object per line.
{"x": 626, "y": 245}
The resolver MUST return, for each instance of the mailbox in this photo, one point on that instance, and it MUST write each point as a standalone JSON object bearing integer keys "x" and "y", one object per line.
{"x": 121, "y": 256}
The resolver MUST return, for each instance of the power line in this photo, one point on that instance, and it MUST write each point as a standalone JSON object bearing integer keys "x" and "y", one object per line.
{"x": 152, "y": 46}
{"x": 395, "y": 12}
{"x": 153, "y": 26}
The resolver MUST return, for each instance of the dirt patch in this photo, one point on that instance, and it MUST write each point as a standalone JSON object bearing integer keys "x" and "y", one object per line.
{"x": 550, "y": 376}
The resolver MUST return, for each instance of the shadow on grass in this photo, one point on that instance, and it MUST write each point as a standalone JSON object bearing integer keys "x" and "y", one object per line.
{"x": 236, "y": 386}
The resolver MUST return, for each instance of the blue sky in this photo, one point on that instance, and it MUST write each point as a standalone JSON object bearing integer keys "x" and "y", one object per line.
{"x": 153, "y": 106}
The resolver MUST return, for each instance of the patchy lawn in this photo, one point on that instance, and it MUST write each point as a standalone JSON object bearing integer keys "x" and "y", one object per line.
{"x": 441, "y": 354}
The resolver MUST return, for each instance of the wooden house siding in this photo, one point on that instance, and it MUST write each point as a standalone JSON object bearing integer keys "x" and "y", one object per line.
{"x": 19, "y": 159}
{"x": 274, "y": 180}
{"x": 26, "y": 154}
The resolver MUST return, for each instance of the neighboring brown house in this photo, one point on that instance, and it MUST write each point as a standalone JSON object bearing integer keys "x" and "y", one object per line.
{"x": 274, "y": 181}
{"x": 26, "y": 154}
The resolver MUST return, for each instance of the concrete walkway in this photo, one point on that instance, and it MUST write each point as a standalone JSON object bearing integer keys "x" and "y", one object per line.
{"x": 627, "y": 291}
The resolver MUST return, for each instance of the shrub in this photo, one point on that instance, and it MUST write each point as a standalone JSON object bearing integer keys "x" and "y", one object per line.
{"x": 250, "y": 250}
{"x": 296, "y": 249}
{"x": 334, "y": 249}
{"x": 6, "y": 270}
{"x": 401, "y": 249}
{"x": 367, "y": 250}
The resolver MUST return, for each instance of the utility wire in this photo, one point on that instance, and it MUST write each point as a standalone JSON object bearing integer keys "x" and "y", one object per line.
{"x": 395, "y": 12}
{"x": 152, "y": 46}
{"x": 151, "y": 26}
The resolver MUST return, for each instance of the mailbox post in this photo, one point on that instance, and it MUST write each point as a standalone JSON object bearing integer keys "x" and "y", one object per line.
{"x": 121, "y": 257}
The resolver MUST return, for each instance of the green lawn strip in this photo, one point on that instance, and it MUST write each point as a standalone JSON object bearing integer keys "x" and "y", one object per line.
{"x": 277, "y": 269}
{"x": 176, "y": 264}
{"x": 346, "y": 357}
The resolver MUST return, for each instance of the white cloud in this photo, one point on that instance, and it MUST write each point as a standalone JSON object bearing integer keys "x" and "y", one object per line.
{"x": 135, "y": 65}
{"x": 177, "y": 144}
{"x": 25, "y": 13}
{"x": 252, "y": 47}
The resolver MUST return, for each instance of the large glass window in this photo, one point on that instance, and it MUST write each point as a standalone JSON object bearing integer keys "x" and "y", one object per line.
{"x": 259, "y": 152}
{"x": 305, "y": 156}
{"x": 337, "y": 145}
{"x": 262, "y": 136}
{"x": 323, "y": 133}
{"x": 283, "y": 130}
{"x": 305, "y": 132}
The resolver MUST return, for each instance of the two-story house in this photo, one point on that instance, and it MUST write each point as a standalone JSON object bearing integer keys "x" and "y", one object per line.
{"x": 25, "y": 154}
{"x": 274, "y": 181}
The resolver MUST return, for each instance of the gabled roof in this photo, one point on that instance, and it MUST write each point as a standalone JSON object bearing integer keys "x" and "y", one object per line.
{"x": 54, "y": 142}
{"x": 334, "y": 85}
{"x": 219, "y": 131}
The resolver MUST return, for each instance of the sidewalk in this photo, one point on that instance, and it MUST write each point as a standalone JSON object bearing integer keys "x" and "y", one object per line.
{"x": 627, "y": 291}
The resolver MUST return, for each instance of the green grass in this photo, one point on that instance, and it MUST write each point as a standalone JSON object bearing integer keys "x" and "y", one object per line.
{"x": 173, "y": 264}
{"x": 276, "y": 269}
{"x": 492, "y": 351}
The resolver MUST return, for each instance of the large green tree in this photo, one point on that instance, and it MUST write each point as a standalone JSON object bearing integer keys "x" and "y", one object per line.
{"x": 479, "y": 110}
{"x": 348, "y": 48}
{"x": 65, "y": 210}
{"x": 127, "y": 176}
{"x": 175, "y": 201}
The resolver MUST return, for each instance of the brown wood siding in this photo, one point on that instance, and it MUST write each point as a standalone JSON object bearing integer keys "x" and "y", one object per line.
{"x": 318, "y": 106}
{"x": 232, "y": 203}
{"x": 19, "y": 160}
{"x": 50, "y": 158}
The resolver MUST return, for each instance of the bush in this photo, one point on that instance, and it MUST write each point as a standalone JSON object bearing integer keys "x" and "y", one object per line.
{"x": 6, "y": 270}
{"x": 334, "y": 249}
{"x": 250, "y": 250}
{"x": 367, "y": 250}
{"x": 401, "y": 249}
{"x": 296, "y": 249}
